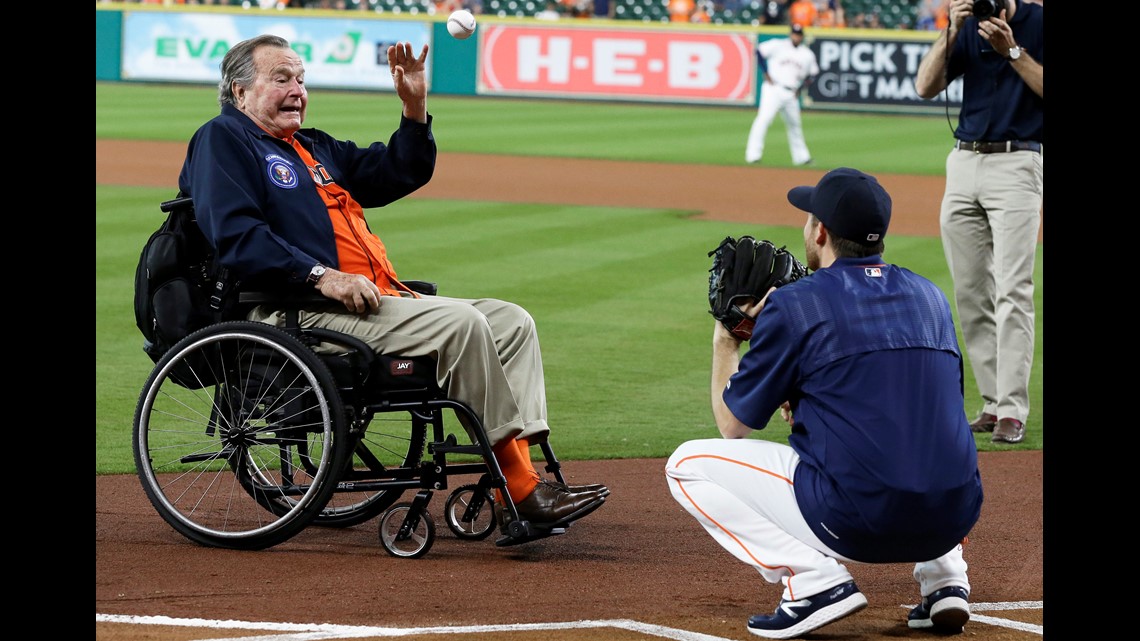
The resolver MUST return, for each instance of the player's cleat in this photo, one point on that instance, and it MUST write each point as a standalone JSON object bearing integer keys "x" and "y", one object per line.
{"x": 946, "y": 610}
{"x": 796, "y": 618}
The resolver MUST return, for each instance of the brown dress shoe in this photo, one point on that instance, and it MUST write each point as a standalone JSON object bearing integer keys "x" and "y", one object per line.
{"x": 984, "y": 423}
{"x": 579, "y": 489}
{"x": 550, "y": 506}
{"x": 1009, "y": 430}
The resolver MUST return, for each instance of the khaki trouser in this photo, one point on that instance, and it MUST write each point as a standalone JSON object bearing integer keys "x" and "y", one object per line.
{"x": 991, "y": 214}
{"x": 487, "y": 352}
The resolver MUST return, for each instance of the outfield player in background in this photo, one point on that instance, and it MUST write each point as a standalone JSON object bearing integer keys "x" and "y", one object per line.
{"x": 880, "y": 467}
{"x": 789, "y": 65}
{"x": 995, "y": 188}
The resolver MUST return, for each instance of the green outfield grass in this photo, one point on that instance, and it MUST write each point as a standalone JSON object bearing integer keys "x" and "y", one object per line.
{"x": 619, "y": 294}
{"x": 658, "y": 133}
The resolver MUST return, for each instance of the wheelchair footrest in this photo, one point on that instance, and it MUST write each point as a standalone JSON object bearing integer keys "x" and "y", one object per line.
{"x": 440, "y": 448}
{"x": 449, "y": 445}
{"x": 532, "y": 534}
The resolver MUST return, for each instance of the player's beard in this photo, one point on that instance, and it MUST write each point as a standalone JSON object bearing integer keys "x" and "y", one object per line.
{"x": 811, "y": 254}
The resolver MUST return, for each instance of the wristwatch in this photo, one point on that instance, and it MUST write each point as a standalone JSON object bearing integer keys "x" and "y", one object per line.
{"x": 1014, "y": 53}
{"x": 315, "y": 274}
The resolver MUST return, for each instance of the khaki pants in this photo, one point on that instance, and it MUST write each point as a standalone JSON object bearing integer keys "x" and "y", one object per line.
{"x": 991, "y": 215}
{"x": 487, "y": 352}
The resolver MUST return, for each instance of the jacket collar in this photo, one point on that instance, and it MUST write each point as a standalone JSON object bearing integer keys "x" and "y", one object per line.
{"x": 230, "y": 111}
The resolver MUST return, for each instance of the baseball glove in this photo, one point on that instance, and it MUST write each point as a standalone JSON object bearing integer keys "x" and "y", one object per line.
{"x": 747, "y": 268}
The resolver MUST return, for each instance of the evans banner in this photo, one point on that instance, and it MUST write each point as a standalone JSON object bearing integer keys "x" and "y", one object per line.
{"x": 338, "y": 53}
{"x": 620, "y": 64}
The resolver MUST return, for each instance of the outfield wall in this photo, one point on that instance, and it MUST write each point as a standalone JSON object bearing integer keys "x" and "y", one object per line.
{"x": 861, "y": 70}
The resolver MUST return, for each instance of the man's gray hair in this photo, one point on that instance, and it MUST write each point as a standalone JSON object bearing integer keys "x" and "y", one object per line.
{"x": 238, "y": 65}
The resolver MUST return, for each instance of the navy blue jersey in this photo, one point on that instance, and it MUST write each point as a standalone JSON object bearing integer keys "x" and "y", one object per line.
{"x": 868, "y": 357}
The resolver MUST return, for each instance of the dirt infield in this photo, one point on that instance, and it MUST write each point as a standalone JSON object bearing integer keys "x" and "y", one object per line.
{"x": 640, "y": 568}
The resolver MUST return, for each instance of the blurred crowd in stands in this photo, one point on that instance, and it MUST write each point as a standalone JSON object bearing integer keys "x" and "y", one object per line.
{"x": 928, "y": 15}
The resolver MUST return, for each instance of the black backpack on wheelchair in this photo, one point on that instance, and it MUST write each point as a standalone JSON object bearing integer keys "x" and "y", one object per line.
{"x": 178, "y": 287}
{"x": 245, "y": 433}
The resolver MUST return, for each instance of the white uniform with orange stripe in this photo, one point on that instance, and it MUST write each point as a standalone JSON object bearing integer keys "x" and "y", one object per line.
{"x": 741, "y": 491}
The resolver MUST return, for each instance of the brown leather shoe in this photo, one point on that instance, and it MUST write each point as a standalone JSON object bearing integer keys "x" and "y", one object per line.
{"x": 579, "y": 489}
{"x": 984, "y": 423}
{"x": 550, "y": 506}
{"x": 1009, "y": 430}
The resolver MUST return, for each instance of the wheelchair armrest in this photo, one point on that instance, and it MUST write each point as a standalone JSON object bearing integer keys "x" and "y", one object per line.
{"x": 297, "y": 298}
{"x": 313, "y": 297}
{"x": 176, "y": 203}
{"x": 422, "y": 287}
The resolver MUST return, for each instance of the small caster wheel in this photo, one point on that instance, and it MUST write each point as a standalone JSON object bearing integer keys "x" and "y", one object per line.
{"x": 470, "y": 512}
{"x": 404, "y": 537}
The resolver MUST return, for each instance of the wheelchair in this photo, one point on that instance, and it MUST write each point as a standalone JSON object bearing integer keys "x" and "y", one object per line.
{"x": 246, "y": 433}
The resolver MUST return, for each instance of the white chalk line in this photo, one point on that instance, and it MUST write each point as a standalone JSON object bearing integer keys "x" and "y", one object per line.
{"x": 319, "y": 631}
{"x": 314, "y": 632}
{"x": 1006, "y": 606}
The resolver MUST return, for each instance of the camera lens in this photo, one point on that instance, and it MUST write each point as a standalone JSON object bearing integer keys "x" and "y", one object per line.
{"x": 984, "y": 9}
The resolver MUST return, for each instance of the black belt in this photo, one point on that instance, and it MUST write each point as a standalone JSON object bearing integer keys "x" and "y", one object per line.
{"x": 979, "y": 147}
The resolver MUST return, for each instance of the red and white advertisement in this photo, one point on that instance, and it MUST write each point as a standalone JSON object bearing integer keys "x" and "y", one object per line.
{"x": 619, "y": 64}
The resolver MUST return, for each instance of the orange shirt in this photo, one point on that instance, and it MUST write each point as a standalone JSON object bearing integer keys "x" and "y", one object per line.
{"x": 828, "y": 18}
{"x": 680, "y": 10}
{"x": 803, "y": 13}
{"x": 942, "y": 16}
{"x": 358, "y": 250}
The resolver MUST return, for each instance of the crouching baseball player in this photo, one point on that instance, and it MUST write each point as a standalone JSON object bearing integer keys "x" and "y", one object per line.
{"x": 861, "y": 358}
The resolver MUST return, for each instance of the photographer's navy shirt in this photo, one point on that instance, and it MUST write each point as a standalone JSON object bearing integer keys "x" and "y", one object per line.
{"x": 997, "y": 105}
{"x": 868, "y": 357}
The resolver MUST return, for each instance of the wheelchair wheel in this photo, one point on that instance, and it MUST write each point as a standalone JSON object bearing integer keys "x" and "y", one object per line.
{"x": 389, "y": 442}
{"x": 239, "y": 436}
{"x": 411, "y": 542}
{"x": 470, "y": 512}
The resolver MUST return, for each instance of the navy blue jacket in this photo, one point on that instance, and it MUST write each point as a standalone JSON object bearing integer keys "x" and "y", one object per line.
{"x": 868, "y": 357}
{"x": 258, "y": 206}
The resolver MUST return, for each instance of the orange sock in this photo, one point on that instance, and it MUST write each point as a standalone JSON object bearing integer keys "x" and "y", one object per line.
{"x": 524, "y": 450}
{"x": 520, "y": 474}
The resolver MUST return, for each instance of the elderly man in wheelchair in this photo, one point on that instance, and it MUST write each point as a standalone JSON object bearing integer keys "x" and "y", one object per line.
{"x": 283, "y": 209}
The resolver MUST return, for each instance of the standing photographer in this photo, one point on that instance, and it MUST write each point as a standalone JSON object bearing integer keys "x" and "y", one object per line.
{"x": 991, "y": 209}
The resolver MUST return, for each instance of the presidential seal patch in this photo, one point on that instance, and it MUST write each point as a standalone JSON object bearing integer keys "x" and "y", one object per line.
{"x": 281, "y": 171}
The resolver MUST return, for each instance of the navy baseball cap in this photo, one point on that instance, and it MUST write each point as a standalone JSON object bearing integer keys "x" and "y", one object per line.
{"x": 851, "y": 204}
{"x": 797, "y": 28}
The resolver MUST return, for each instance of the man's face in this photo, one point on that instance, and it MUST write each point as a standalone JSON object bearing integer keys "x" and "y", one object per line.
{"x": 277, "y": 99}
{"x": 811, "y": 250}
{"x": 797, "y": 38}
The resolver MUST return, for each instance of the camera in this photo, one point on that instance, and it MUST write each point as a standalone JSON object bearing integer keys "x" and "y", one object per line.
{"x": 983, "y": 9}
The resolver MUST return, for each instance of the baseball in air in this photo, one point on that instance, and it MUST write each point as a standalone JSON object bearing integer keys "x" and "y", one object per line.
{"x": 461, "y": 24}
